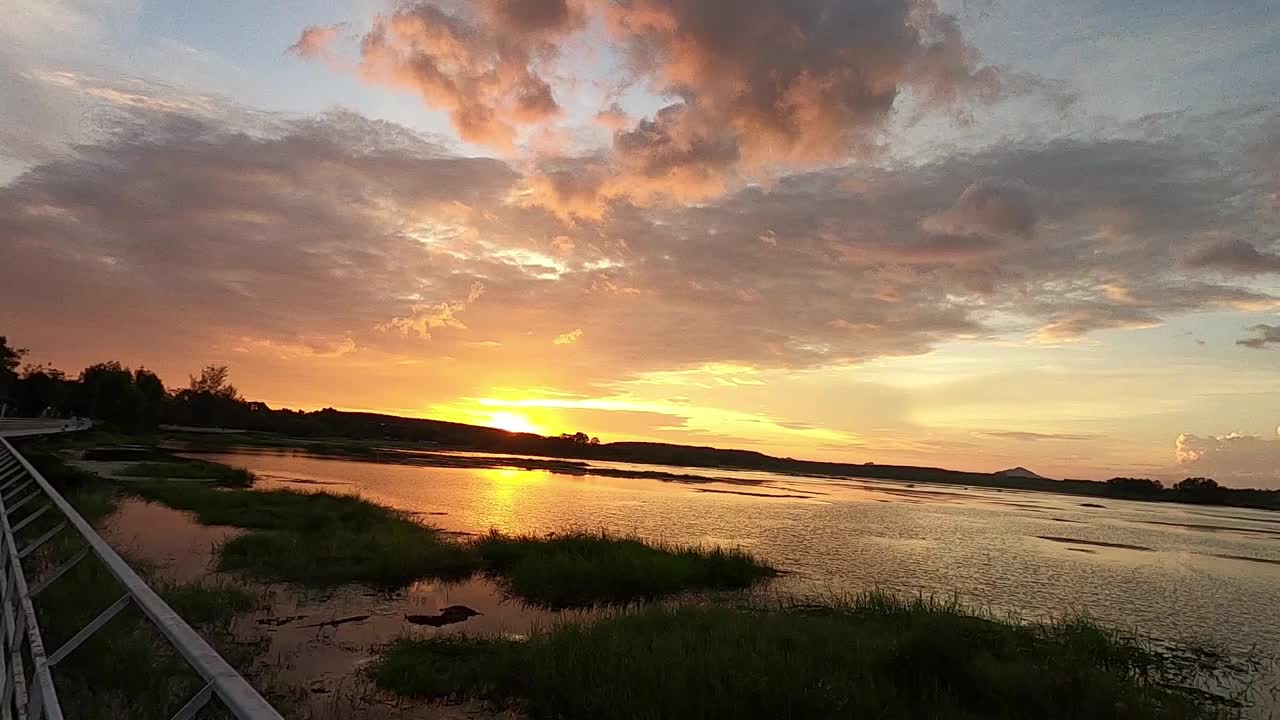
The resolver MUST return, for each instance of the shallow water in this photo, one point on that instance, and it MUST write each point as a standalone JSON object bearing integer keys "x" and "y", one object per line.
{"x": 1170, "y": 571}
{"x": 1174, "y": 571}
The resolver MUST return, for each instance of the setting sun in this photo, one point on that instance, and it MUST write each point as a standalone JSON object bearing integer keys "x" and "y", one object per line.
{"x": 512, "y": 422}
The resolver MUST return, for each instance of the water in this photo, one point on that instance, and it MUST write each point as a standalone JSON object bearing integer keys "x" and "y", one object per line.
{"x": 1173, "y": 572}
{"x": 1184, "y": 571}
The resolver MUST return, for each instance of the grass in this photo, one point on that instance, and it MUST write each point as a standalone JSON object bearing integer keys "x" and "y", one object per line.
{"x": 872, "y": 656}
{"x": 579, "y": 569}
{"x": 317, "y": 539}
{"x": 322, "y": 540}
{"x": 127, "y": 669}
{"x": 191, "y": 470}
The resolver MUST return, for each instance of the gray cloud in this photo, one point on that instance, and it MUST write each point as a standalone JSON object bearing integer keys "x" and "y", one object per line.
{"x": 1234, "y": 256}
{"x": 1236, "y": 459}
{"x": 1264, "y": 335}
{"x": 189, "y": 229}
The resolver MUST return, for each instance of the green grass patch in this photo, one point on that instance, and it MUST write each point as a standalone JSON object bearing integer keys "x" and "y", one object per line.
{"x": 191, "y": 470}
{"x": 869, "y": 657}
{"x": 318, "y": 539}
{"x": 580, "y": 569}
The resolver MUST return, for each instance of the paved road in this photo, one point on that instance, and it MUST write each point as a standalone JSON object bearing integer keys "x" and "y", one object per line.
{"x": 17, "y": 427}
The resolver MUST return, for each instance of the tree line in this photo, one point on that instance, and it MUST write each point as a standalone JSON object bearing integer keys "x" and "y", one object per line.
{"x": 113, "y": 394}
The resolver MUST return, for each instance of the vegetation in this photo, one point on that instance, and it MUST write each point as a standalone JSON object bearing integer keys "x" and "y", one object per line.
{"x": 317, "y": 538}
{"x": 869, "y": 656}
{"x": 578, "y": 569}
{"x": 321, "y": 539}
{"x": 191, "y": 470}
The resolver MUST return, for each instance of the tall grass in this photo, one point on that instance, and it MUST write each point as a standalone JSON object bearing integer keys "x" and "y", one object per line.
{"x": 580, "y": 568}
{"x": 872, "y": 656}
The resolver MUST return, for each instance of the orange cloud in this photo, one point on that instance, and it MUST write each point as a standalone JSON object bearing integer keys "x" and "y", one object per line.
{"x": 316, "y": 43}
{"x": 482, "y": 69}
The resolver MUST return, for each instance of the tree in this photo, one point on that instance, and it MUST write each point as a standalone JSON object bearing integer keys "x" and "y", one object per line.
{"x": 210, "y": 400}
{"x": 1200, "y": 490}
{"x": 10, "y": 358}
{"x": 214, "y": 380}
{"x": 1136, "y": 486}
{"x": 151, "y": 397}
{"x": 106, "y": 392}
{"x": 41, "y": 390}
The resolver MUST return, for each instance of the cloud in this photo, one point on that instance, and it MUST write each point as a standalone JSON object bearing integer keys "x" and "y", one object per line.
{"x": 613, "y": 117}
{"x": 422, "y": 318}
{"x": 988, "y": 207}
{"x": 316, "y": 42}
{"x": 1234, "y": 256}
{"x": 480, "y": 67}
{"x": 1265, "y": 335}
{"x": 1033, "y": 436}
{"x": 568, "y": 338}
{"x": 753, "y": 86}
{"x": 801, "y": 81}
{"x": 193, "y": 228}
{"x": 1236, "y": 459}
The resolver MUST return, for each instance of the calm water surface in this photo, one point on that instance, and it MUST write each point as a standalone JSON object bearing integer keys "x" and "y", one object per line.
{"x": 1172, "y": 571}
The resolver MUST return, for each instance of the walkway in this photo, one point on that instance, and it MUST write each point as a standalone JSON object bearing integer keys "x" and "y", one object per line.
{"x": 29, "y": 506}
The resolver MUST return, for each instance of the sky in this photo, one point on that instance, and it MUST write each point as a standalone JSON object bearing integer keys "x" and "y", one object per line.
{"x": 970, "y": 234}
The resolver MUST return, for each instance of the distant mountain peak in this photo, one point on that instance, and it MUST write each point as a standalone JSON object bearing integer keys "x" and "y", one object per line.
{"x": 1020, "y": 472}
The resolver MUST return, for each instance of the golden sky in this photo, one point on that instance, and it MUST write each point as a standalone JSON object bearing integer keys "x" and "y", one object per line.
{"x": 900, "y": 231}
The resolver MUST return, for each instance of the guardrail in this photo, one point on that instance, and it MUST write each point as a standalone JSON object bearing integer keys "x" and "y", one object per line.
{"x": 27, "y": 683}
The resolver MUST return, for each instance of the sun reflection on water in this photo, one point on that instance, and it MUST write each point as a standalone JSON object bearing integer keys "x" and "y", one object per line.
{"x": 504, "y": 488}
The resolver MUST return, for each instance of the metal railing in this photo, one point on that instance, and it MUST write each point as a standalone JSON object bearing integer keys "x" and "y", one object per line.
{"x": 27, "y": 682}
{"x": 18, "y": 427}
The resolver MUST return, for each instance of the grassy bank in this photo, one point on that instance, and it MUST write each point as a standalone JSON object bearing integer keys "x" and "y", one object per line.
{"x": 868, "y": 657}
{"x": 578, "y": 569}
{"x": 191, "y": 470}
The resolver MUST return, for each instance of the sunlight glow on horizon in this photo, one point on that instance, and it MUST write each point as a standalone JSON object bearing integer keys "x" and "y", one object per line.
{"x": 514, "y": 422}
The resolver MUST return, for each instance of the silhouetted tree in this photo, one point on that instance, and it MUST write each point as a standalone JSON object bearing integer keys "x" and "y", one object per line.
{"x": 41, "y": 390}
{"x": 10, "y": 358}
{"x": 106, "y": 392}
{"x": 210, "y": 400}
{"x": 151, "y": 397}
{"x": 1200, "y": 490}
{"x": 1136, "y": 486}
{"x": 214, "y": 380}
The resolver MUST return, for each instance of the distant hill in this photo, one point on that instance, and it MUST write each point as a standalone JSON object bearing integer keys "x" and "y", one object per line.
{"x": 1020, "y": 472}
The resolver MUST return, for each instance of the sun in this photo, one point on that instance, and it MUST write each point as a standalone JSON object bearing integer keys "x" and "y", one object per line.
{"x": 512, "y": 422}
